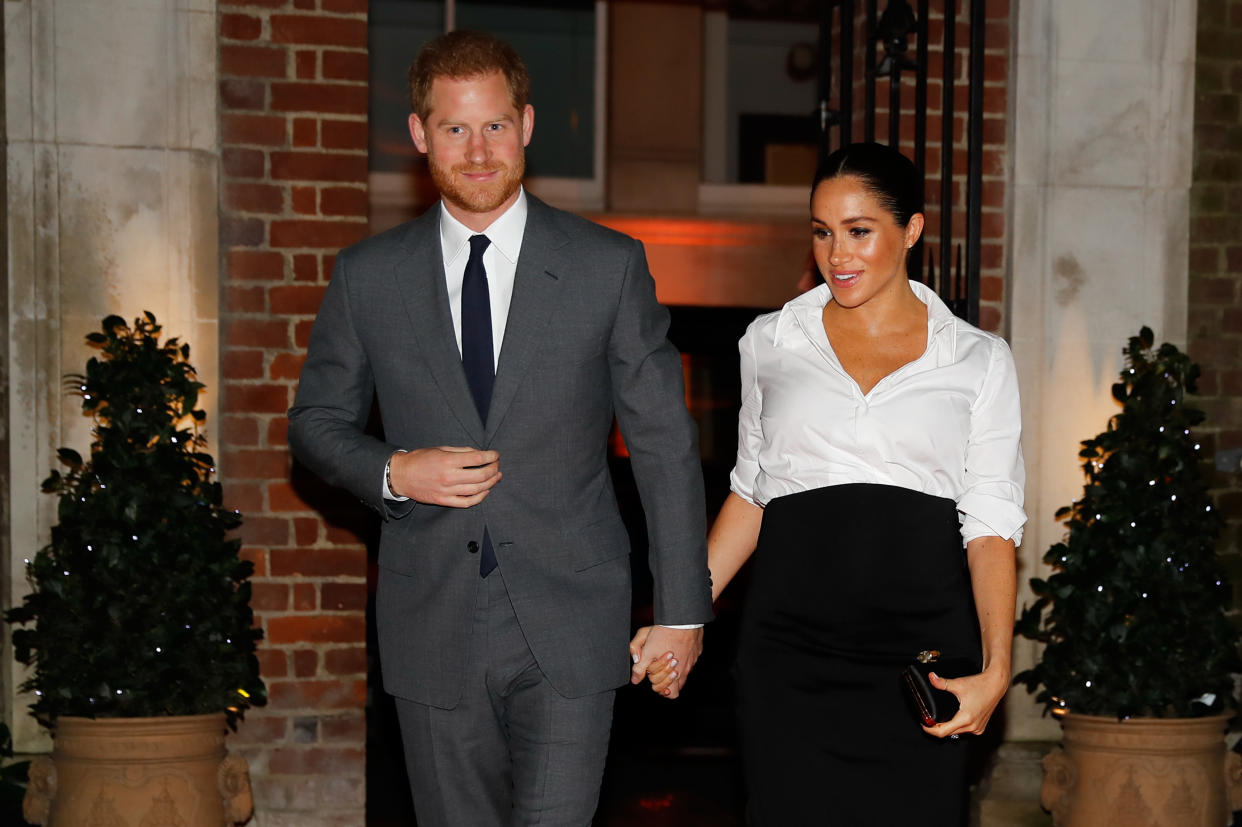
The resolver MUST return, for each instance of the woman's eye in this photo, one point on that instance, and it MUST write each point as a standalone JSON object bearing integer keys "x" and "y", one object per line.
{"x": 819, "y": 232}
{"x": 860, "y": 232}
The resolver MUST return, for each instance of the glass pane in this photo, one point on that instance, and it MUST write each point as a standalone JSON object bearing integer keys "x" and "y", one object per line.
{"x": 556, "y": 39}
{"x": 767, "y": 122}
{"x": 397, "y": 30}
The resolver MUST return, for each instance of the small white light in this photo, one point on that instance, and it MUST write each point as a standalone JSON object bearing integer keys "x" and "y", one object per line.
{"x": 158, "y": 650}
{"x": 1097, "y": 516}
{"x": 66, "y": 573}
{"x": 1088, "y": 684}
{"x": 1209, "y": 508}
{"x": 1132, "y": 525}
{"x": 1144, "y": 595}
{"x": 1196, "y": 446}
{"x": 39, "y": 693}
{"x": 134, "y": 537}
{"x": 1162, "y": 429}
{"x": 1099, "y": 588}
{"x": 119, "y": 691}
{"x": 1174, "y": 498}
{"x": 187, "y": 625}
{"x": 90, "y": 548}
{"x": 1151, "y": 482}
{"x": 1168, "y": 559}
{"x": 139, "y": 410}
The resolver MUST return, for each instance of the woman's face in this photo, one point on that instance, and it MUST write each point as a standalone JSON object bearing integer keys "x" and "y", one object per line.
{"x": 858, "y": 244}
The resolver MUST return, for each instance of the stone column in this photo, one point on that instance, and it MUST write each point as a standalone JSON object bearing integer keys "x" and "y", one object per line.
{"x": 111, "y": 170}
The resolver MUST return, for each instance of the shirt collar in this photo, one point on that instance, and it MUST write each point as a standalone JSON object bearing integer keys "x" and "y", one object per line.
{"x": 812, "y": 302}
{"x": 505, "y": 233}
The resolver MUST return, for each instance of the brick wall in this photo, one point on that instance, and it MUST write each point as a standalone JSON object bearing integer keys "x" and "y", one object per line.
{"x": 293, "y": 98}
{"x": 1215, "y": 322}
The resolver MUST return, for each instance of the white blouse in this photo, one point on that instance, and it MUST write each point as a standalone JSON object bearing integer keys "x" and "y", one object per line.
{"x": 947, "y": 424}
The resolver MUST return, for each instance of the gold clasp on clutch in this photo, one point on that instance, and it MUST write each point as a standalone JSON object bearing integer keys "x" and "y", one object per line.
{"x": 928, "y": 656}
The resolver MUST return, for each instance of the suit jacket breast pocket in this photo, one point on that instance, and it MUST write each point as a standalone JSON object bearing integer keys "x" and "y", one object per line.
{"x": 598, "y": 543}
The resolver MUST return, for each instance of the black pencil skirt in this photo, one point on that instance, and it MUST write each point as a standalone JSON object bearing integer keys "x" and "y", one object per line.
{"x": 848, "y": 584}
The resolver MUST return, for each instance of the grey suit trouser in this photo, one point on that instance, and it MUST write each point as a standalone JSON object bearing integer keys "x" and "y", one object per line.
{"x": 513, "y": 751}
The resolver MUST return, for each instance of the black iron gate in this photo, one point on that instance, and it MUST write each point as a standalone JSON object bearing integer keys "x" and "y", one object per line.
{"x": 955, "y": 257}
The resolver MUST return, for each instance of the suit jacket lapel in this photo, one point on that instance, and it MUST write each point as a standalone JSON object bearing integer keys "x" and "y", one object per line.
{"x": 419, "y": 275}
{"x": 534, "y": 298}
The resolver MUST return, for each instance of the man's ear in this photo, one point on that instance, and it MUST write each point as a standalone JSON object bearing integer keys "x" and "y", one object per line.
{"x": 528, "y": 124}
{"x": 417, "y": 134}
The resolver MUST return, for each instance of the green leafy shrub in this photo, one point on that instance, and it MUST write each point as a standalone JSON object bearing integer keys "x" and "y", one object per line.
{"x": 140, "y": 604}
{"x": 1133, "y": 617}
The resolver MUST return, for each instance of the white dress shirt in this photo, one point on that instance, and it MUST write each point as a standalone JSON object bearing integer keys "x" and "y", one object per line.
{"x": 947, "y": 424}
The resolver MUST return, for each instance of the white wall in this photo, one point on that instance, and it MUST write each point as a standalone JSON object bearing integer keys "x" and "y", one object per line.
{"x": 112, "y": 208}
{"x": 1102, "y": 128}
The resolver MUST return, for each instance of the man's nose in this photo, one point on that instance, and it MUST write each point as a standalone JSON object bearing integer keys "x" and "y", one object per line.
{"x": 477, "y": 148}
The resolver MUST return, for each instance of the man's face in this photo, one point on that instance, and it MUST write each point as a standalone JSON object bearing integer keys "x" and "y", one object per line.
{"x": 475, "y": 143}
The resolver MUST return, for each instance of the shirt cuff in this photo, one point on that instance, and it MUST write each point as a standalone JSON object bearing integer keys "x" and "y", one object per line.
{"x": 987, "y": 515}
{"x": 388, "y": 495}
{"x": 680, "y": 626}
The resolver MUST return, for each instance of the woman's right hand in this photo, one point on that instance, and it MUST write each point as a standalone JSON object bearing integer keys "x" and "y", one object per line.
{"x": 661, "y": 671}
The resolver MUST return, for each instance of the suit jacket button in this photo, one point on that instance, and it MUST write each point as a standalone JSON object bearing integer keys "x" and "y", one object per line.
{"x": 472, "y": 547}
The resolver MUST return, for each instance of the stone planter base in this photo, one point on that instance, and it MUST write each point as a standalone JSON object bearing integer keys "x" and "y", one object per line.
{"x": 139, "y": 772}
{"x": 1143, "y": 772}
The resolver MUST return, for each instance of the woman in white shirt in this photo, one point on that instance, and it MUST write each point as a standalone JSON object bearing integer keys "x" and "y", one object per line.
{"x": 878, "y": 438}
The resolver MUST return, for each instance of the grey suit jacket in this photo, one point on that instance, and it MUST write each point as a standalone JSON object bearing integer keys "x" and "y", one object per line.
{"x": 585, "y": 339}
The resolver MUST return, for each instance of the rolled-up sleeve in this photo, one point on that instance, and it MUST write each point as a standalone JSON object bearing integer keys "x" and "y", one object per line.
{"x": 749, "y": 430}
{"x": 991, "y": 504}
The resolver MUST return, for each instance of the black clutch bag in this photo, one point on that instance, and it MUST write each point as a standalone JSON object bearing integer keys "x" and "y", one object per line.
{"x": 932, "y": 705}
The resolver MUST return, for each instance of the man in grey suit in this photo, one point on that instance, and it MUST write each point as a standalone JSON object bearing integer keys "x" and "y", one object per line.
{"x": 500, "y": 336}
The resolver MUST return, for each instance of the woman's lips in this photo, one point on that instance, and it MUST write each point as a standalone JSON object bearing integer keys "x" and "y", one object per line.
{"x": 845, "y": 277}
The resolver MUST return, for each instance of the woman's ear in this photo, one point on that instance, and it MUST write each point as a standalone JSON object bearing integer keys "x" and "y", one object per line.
{"x": 914, "y": 229}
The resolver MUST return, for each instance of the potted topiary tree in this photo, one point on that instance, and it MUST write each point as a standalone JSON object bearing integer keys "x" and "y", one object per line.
{"x": 140, "y": 630}
{"x": 1138, "y": 652}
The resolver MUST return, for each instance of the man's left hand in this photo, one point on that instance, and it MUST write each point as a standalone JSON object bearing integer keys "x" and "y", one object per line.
{"x": 665, "y": 653}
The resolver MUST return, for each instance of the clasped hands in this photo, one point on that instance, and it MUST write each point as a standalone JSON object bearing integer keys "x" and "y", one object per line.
{"x": 665, "y": 656}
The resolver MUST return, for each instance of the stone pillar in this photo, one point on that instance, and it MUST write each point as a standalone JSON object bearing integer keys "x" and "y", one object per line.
{"x": 111, "y": 151}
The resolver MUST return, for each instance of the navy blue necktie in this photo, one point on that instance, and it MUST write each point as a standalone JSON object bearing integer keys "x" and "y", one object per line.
{"x": 477, "y": 354}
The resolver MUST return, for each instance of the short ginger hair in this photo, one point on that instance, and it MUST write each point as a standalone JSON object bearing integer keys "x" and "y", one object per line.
{"x": 466, "y": 54}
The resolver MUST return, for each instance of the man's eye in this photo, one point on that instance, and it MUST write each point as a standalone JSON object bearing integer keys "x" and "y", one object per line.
{"x": 455, "y": 130}
{"x": 495, "y": 127}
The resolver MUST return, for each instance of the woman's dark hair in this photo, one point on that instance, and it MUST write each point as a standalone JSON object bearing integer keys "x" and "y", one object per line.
{"x": 885, "y": 173}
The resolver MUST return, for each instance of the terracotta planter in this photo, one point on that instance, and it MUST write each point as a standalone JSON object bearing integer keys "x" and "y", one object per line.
{"x": 139, "y": 772}
{"x": 1143, "y": 772}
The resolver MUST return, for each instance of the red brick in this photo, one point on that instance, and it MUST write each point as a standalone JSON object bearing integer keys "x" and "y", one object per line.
{"x": 255, "y": 398}
{"x": 345, "y": 66}
{"x": 1233, "y": 259}
{"x": 264, "y": 130}
{"x": 332, "y": 234}
{"x": 243, "y": 163}
{"x": 240, "y": 27}
{"x": 319, "y": 30}
{"x": 339, "y": 535}
{"x": 319, "y": 562}
{"x": 989, "y": 318}
{"x": 265, "y": 531}
{"x": 243, "y": 496}
{"x": 243, "y": 94}
{"x": 260, "y": 729}
{"x": 258, "y": 465}
{"x": 282, "y": 497}
{"x": 301, "y": 333}
{"x": 266, "y": 333}
{"x": 257, "y": 556}
{"x": 308, "y": 5}
{"x": 991, "y": 256}
{"x": 296, "y": 299}
{"x": 256, "y": 198}
{"x": 305, "y": 663}
{"x": 991, "y": 289}
{"x": 343, "y": 728}
{"x": 235, "y": 231}
{"x": 243, "y": 364}
{"x": 239, "y": 430}
{"x": 351, "y": 661}
{"x": 1204, "y": 258}
{"x": 256, "y": 264}
{"x": 341, "y": 761}
{"x": 245, "y": 300}
{"x": 307, "y": 63}
{"x": 317, "y": 629}
{"x": 337, "y": 98}
{"x": 345, "y": 6}
{"x": 351, "y": 201}
{"x": 287, "y": 366}
{"x": 269, "y": 597}
{"x": 278, "y": 431}
{"x": 253, "y": 61}
{"x": 1231, "y": 319}
{"x": 303, "y": 199}
{"x": 318, "y": 166}
{"x": 344, "y": 134}
{"x": 305, "y": 597}
{"x": 270, "y": 4}
{"x": 306, "y": 532}
{"x": 272, "y": 663}
{"x": 1207, "y": 290}
{"x": 343, "y": 597}
{"x": 305, "y": 267}
{"x": 305, "y": 132}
